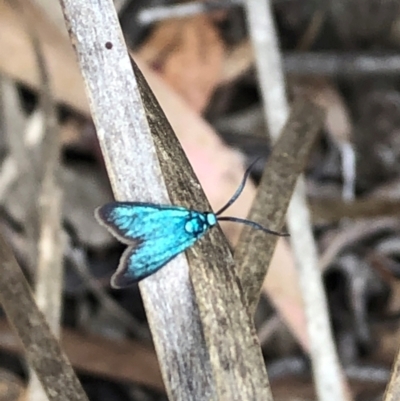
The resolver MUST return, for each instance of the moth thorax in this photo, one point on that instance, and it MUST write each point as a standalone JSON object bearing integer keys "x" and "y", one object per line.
{"x": 197, "y": 224}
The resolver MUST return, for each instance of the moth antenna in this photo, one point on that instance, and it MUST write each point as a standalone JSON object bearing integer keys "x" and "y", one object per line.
{"x": 252, "y": 224}
{"x": 240, "y": 188}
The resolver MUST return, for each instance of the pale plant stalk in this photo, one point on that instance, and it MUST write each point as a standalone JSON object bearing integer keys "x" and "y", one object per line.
{"x": 329, "y": 380}
{"x": 48, "y": 206}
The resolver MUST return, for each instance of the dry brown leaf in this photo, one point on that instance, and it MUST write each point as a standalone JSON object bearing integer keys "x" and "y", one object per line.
{"x": 281, "y": 286}
{"x": 18, "y": 59}
{"x": 188, "y": 53}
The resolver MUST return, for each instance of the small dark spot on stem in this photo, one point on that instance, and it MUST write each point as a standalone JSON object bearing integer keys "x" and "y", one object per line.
{"x": 109, "y": 45}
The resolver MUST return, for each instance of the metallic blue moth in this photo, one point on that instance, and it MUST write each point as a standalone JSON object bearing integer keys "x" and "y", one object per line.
{"x": 155, "y": 234}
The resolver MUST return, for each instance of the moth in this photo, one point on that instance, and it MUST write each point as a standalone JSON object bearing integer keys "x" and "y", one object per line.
{"x": 155, "y": 234}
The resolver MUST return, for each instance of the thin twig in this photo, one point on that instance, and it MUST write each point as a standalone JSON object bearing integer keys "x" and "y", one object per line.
{"x": 159, "y": 13}
{"x": 154, "y": 14}
{"x": 49, "y": 270}
{"x": 330, "y": 382}
{"x": 12, "y": 120}
{"x": 341, "y": 64}
{"x": 43, "y": 351}
{"x": 18, "y": 166}
{"x": 49, "y": 273}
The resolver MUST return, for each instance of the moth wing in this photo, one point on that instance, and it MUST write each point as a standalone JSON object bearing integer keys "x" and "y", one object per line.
{"x": 150, "y": 256}
{"x": 155, "y": 235}
{"x": 131, "y": 222}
